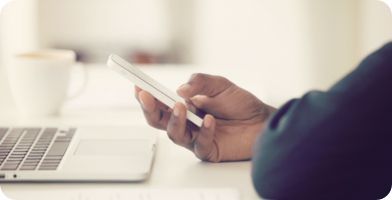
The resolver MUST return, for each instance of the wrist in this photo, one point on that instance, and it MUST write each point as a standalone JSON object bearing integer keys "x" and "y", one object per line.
{"x": 259, "y": 128}
{"x": 271, "y": 110}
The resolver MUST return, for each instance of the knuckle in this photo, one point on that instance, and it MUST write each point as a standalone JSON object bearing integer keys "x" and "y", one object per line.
{"x": 223, "y": 80}
{"x": 173, "y": 138}
{"x": 152, "y": 123}
{"x": 211, "y": 155}
{"x": 176, "y": 139}
{"x": 202, "y": 157}
{"x": 206, "y": 158}
{"x": 213, "y": 159}
{"x": 170, "y": 136}
{"x": 198, "y": 77}
{"x": 182, "y": 141}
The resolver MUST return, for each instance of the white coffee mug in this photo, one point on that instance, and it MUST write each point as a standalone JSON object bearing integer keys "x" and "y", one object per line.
{"x": 39, "y": 81}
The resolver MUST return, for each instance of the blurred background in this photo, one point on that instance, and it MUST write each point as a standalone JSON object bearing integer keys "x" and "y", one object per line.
{"x": 277, "y": 49}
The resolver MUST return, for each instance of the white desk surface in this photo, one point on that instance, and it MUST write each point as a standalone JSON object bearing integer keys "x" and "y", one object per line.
{"x": 105, "y": 102}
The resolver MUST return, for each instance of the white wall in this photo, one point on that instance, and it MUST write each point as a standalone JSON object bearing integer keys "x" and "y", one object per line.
{"x": 376, "y": 26}
{"x": 333, "y": 39}
{"x": 282, "y": 47}
{"x": 253, "y": 40}
{"x": 105, "y": 25}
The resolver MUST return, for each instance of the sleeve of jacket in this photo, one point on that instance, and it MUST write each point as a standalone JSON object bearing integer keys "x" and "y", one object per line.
{"x": 332, "y": 145}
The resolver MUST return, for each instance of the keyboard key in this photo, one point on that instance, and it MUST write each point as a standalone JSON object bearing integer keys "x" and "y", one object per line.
{"x": 10, "y": 167}
{"x": 27, "y": 162}
{"x": 3, "y": 131}
{"x": 28, "y": 168}
{"x": 24, "y": 148}
{"x": 58, "y": 149}
{"x": 48, "y": 168}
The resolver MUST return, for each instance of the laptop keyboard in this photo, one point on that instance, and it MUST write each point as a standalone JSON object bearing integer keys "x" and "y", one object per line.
{"x": 33, "y": 148}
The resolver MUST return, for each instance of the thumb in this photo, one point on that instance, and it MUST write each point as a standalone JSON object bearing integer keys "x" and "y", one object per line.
{"x": 205, "y": 147}
{"x": 204, "y": 84}
{"x": 202, "y": 102}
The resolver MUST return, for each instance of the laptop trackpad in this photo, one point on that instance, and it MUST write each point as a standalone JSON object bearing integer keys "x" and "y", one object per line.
{"x": 106, "y": 147}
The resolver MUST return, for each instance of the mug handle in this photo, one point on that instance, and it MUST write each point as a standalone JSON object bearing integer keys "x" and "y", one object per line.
{"x": 83, "y": 84}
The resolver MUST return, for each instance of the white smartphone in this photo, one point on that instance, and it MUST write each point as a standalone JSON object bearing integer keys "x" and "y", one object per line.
{"x": 148, "y": 84}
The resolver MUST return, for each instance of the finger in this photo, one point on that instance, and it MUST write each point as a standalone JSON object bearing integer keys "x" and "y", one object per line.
{"x": 190, "y": 106}
{"x": 212, "y": 105}
{"x": 177, "y": 126}
{"x": 203, "y": 102}
{"x": 205, "y": 147}
{"x": 137, "y": 90}
{"x": 156, "y": 113}
{"x": 204, "y": 84}
{"x": 149, "y": 103}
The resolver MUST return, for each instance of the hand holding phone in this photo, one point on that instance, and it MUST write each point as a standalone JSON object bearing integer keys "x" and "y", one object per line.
{"x": 148, "y": 84}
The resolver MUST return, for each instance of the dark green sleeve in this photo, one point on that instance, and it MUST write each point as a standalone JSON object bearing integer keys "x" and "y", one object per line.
{"x": 332, "y": 145}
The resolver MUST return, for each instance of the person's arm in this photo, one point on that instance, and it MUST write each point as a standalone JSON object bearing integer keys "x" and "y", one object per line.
{"x": 332, "y": 145}
{"x": 233, "y": 118}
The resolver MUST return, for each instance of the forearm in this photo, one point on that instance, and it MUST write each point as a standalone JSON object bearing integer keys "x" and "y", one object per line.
{"x": 332, "y": 144}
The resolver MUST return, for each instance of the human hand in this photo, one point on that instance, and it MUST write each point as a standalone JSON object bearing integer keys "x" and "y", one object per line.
{"x": 233, "y": 118}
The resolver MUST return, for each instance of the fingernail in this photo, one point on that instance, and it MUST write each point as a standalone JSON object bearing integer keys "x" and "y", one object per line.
{"x": 176, "y": 111}
{"x": 184, "y": 87}
{"x": 141, "y": 102}
{"x": 207, "y": 122}
{"x": 197, "y": 100}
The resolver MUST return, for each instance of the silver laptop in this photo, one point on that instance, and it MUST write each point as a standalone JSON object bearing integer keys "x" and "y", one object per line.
{"x": 84, "y": 154}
